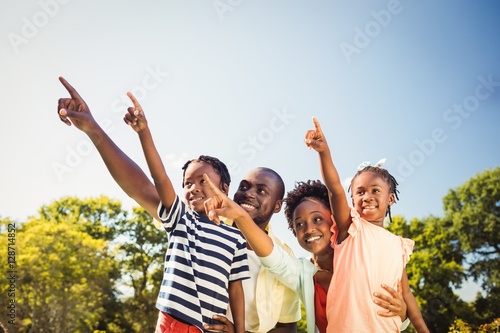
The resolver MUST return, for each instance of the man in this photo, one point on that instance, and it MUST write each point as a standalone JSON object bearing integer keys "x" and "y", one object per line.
{"x": 270, "y": 306}
{"x": 261, "y": 206}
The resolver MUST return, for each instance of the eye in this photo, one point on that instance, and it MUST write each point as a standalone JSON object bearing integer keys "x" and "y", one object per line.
{"x": 187, "y": 184}
{"x": 298, "y": 225}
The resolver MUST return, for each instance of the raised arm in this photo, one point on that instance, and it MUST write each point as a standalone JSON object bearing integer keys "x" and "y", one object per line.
{"x": 315, "y": 139}
{"x": 137, "y": 120}
{"x": 127, "y": 174}
{"x": 220, "y": 205}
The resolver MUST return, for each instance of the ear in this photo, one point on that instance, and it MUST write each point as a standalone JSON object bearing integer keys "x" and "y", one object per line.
{"x": 392, "y": 199}
{"x": 224, "y": 188}
{"x": 277, "y": 206}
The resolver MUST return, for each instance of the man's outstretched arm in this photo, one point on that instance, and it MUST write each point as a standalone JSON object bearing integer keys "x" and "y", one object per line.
{"x": 127, "y": 174}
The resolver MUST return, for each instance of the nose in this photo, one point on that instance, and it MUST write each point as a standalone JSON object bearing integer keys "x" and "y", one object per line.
{"x": 309, "y": 228}
{"x": 249, "y": 193}
{"x": 367, "y": 196}
{"x": 195, "y": 188}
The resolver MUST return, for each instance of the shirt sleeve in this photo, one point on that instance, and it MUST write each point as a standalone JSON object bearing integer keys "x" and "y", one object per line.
{"x": 169, "y": 218}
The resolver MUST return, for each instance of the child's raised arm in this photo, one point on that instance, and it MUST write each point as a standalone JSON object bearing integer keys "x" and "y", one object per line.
{"x": 316, "y": 140}
{"x": 136, "y": 119}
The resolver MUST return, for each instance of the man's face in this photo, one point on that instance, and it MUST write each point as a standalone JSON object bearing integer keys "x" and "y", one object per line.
{"x": 258, "y": 194}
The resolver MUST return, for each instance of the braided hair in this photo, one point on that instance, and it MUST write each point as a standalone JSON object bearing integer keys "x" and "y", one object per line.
{"x": 219, "y": 167}
{"x": 311, "y": 189}
{"x": 385, "y": 175}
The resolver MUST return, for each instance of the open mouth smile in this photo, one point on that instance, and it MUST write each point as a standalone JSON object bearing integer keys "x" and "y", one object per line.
{"x": 312, "y": 239}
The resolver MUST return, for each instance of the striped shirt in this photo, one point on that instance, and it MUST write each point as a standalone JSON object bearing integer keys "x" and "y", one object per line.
{"x": 202, "y": 258}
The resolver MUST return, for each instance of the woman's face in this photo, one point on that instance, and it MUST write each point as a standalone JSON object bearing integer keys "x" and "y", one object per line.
{"x": 312, "y": 222}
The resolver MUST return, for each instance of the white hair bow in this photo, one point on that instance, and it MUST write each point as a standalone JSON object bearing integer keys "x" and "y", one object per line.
{"x": 377, "y": 165}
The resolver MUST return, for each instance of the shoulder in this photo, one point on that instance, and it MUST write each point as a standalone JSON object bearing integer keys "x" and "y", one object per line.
{"x": 280, "y": 243}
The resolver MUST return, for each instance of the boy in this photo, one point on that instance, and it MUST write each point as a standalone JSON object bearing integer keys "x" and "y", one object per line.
{"x": 204, "y": 266}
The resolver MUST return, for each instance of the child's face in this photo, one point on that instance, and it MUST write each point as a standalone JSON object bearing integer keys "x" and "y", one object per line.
{"x": 371, "y": 197}
{"x": 312, "y": 222}
{"x": 196, "y": 190}
{"x": 258, "y": 195}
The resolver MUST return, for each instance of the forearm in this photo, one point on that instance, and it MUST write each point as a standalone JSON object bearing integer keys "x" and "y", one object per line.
{"x": 329, "y": 173}
{"x": 412, "y": 308}
{"x": 161, "y": 180}
{"x": 237, "y": 303}
{"x": 338, "y": 202}
{"x": 415, "y": 315}
{"x": 260, "y": 242}
{"x": 127, "y": 174}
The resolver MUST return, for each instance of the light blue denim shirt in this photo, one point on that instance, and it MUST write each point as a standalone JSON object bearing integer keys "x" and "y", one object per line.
{"x": 296, "y": 274}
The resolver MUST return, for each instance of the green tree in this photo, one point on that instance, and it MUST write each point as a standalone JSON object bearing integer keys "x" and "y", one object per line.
{"x": 434, "y": 269}
{"x": 65, "y": 269}
{"x": 141, "y": 252}
{"x": 97, "y": 217}
{"x": 474, "y": 211}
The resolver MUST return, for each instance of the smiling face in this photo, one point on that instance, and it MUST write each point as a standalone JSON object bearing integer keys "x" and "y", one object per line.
{"x": 312, "y": 221}
{"x": 196, "y": 190}
{"x": 371, "y": 197}
{"x": 259, "y": 194}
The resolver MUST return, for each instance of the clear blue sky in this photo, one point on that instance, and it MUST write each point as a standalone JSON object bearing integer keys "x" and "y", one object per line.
{"x": 416, "y": 82}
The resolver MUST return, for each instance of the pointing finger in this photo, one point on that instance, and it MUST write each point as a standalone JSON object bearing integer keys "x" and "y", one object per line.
{"x": 72, "y": 92}
{"x": 134, "y": 100}
{"x": 317, "y": 126}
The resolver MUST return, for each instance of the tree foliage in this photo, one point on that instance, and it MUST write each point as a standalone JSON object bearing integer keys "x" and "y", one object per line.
{"x": 141, "y": 255}
{"x": 474, "y": 211}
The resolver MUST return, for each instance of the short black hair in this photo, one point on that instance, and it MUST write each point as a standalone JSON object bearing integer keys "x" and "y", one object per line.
{"x": 279, "y": 180}
{"x": 219, "y": 167}
{"x": 311, "y": 189}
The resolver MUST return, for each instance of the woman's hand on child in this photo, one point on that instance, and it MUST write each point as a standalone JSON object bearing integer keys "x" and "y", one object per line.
{"x": 135, "y": 115}
{"x": 315, "y": 139}
{"x": 395, "y": 305}
{"x": 225, "y": 326}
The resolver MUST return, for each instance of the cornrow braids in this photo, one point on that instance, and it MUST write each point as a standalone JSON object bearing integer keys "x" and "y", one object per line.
{"x": 219, "y": 167}
{"x": 385, "y": 175}
{"x": 311, "y": 189}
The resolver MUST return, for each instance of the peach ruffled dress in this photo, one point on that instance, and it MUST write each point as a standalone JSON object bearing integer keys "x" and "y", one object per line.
{"x": 368, "y": 257}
